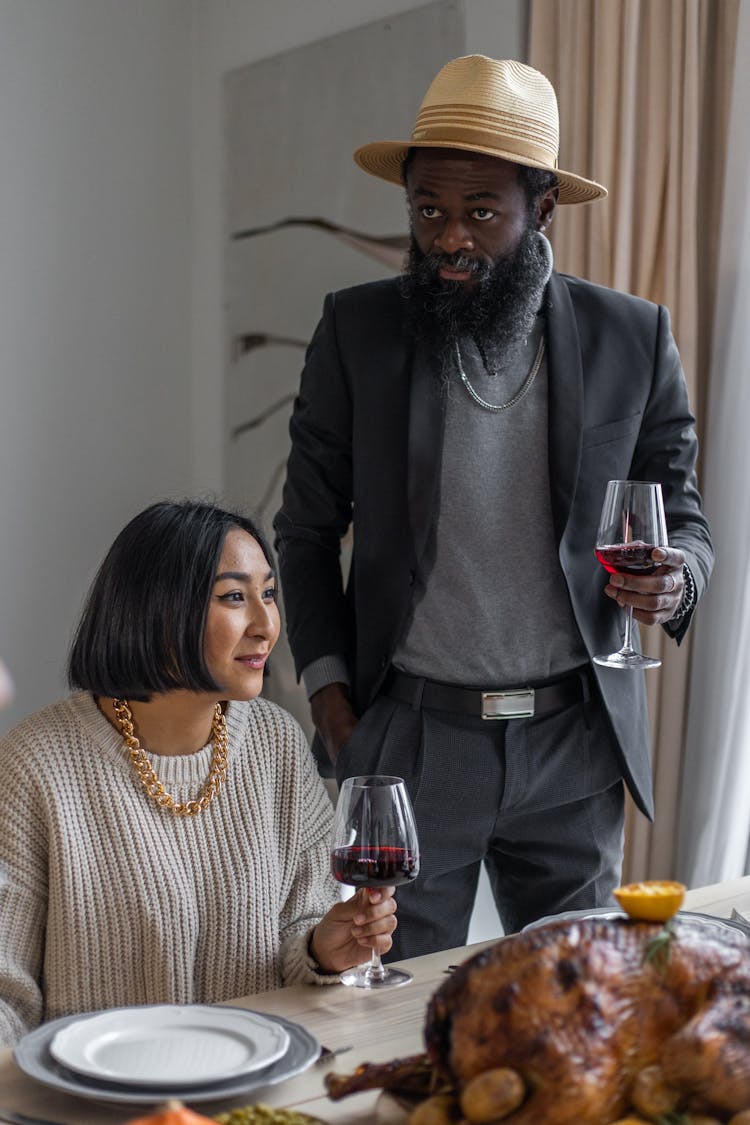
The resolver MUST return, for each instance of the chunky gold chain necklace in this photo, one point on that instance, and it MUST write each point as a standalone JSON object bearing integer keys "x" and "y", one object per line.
{"x": 147, "y": 776}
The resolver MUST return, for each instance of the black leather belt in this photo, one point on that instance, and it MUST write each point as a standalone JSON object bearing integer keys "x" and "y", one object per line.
{"x": 504, "y": 703}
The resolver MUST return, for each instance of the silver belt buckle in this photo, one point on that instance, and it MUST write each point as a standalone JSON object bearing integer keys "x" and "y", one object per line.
{"x": 508, "y": 704}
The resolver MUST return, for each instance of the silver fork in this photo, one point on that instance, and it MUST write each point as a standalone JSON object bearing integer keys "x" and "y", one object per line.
{"x": 741, "y": 920}
{"x": 328, "y": 1053}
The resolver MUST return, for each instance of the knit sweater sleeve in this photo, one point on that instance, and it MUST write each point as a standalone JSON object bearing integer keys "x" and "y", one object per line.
{"x": 312, "y": 890}
{"x": 23, "y": 897}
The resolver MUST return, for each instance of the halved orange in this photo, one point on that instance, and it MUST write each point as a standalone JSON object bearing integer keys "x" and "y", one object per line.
{"x": 655, "y": 900}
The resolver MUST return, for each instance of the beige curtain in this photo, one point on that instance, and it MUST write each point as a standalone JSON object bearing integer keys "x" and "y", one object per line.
{"x": 714, "y": 834}
{"x": 644, "y": 88}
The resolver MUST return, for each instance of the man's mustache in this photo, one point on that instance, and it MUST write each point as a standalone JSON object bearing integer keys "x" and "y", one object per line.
{"x": 461, "y": 262}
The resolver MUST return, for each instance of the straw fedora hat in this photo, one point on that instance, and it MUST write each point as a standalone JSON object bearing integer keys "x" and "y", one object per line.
{"x": 499, "y": 107}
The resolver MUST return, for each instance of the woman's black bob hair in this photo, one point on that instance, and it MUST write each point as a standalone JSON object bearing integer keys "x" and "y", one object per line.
{"x": 143, "y": 625}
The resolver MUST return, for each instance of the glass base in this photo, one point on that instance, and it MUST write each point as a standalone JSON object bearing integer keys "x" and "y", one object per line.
{"x": 625, "y": 659}
{"x": 364, "y": 977}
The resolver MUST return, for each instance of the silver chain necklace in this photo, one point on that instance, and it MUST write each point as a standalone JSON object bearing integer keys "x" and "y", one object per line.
{"x": 522, "y": 390}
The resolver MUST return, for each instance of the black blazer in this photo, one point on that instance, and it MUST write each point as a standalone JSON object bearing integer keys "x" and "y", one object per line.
{"x": 366, "y": 438}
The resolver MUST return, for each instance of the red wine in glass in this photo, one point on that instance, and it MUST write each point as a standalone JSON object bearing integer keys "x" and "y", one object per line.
{"x": 631, "y": 525}
{"x": 627, "y": 558}
{"x": 363, "y": 866}
{"x": 374, "y": 844}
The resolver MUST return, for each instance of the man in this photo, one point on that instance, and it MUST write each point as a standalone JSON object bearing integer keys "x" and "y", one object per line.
{"x": 466, "y": 419}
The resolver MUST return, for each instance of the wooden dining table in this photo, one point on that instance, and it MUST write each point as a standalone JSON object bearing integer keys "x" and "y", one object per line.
{"x": 363, "y": 1026}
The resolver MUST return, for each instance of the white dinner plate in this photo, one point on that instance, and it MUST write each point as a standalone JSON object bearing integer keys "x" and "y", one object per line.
{"x": 33, "y": 1057}
{"x": 169, "y": 1044}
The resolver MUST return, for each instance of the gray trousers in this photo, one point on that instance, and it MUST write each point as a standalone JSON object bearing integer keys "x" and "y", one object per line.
{"x": 539, "y": 801}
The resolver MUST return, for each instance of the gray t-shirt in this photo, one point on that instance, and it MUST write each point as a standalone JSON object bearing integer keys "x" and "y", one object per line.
{"x": 491, "y": 607}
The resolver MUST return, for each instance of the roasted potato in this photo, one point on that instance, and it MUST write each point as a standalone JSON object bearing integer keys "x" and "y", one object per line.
{"x": 492, "y": 1095}
{"x": 651, "y": 1094}
{"x": 440, "y": 1109}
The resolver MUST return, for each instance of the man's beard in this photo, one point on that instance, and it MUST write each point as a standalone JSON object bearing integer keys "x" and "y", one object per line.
{"x": 497, "y": 308}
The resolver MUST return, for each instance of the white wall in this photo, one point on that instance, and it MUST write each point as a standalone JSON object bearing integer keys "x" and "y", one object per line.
{"x": 94, "y": 302}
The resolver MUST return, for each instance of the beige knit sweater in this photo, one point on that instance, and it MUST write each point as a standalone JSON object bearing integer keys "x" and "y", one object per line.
{"x": 107, "y": 900}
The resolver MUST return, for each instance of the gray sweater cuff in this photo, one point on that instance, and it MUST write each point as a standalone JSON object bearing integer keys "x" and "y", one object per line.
{"x": 299, "y": 967}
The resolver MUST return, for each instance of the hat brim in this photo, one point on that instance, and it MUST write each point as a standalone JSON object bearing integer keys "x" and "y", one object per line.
{"x": 385, "y": 159}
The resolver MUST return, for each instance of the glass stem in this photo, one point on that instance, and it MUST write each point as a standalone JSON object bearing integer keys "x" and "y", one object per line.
{"x": 375, "y": 970}
{"x": 627, "y": 645}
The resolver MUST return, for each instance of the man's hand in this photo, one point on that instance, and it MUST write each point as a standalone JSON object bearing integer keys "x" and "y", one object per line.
{"x": 333, "y": 716}
{"x": 350, "y": 930}
{"x": 656, "y": 597}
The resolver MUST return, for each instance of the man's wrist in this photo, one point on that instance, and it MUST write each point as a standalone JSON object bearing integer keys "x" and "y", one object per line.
{"x": 330, "y": 669}
{"x": 333, "y": 716}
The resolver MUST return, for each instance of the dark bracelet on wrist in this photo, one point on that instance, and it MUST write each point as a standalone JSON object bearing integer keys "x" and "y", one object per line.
{"x": 688, "y": 595}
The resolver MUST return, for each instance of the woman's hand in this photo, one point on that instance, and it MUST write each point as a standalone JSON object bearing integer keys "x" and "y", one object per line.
{"x": 350, "y": 930}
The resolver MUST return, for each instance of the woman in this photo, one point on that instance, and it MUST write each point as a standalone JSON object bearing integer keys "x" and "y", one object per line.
{"x": 166, "y": 836}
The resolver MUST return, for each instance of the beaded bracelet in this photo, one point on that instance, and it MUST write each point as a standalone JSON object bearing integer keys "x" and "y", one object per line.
{"x": 688, "y": 595}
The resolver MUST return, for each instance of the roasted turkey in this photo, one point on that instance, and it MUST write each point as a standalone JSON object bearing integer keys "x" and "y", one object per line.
{"x": 580, "y": 1008}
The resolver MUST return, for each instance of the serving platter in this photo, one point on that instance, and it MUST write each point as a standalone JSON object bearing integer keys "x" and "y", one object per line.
{"x": 608, "y": 912}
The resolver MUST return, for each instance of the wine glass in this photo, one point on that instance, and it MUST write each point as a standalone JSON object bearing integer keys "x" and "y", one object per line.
{"x": 632, "y": 523}
{"x": 374, "y": 844}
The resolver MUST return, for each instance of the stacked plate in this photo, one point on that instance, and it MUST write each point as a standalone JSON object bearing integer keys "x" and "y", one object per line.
{"x": 145, "y": 1055}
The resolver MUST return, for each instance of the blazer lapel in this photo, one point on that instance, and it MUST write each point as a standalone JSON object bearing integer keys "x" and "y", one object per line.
{"x": 565, "y": 378}
{"x": 426, "y": 417}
